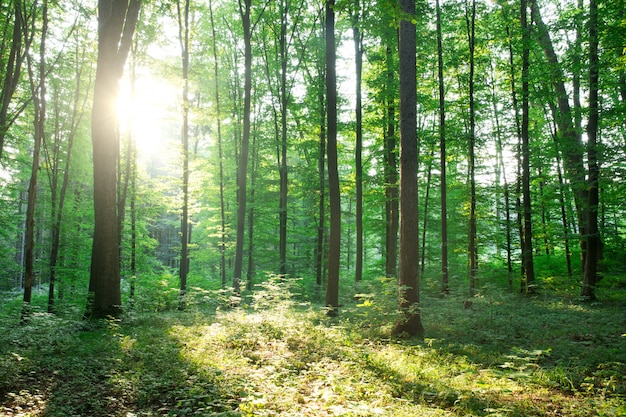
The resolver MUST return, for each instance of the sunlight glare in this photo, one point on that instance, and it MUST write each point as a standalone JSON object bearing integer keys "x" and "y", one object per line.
{"x": 151, "y": 112}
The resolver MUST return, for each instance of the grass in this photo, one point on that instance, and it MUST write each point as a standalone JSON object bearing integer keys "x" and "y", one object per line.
{"x": 279, "y": 354}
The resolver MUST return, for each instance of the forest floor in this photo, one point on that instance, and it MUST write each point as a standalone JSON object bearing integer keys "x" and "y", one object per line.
{"x": 505, "y": 355}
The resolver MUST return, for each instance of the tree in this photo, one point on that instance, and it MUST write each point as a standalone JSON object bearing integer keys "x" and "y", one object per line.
{"x": 38, "y": 92}
{"x": 183, "y": 37}
{"x": 590, "y": 277}
{"x": 334, "y": 240}
{"x": 242, "y": 171}
{"x": 409, "y": 321}
{"x": 58, "y": 195}
{"x": 357, "y": 36}
{"x": 116, "y": 24}
{"x": 470, "y": 18}
{"x": 527, "y": 254}
{"x": 442, "y": 155}
{"x": 218, "y": 116}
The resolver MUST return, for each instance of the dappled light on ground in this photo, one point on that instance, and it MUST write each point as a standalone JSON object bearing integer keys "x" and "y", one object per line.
{"x": 506, "y": 356}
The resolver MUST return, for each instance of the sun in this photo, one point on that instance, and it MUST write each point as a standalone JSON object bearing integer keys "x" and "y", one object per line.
{"x": 150, "y": 111}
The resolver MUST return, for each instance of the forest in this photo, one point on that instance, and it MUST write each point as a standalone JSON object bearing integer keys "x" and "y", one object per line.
{"x": 327, "y": 208}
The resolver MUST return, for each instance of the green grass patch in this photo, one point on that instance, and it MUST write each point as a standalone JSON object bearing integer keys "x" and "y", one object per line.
{"x": 278, "y": 354}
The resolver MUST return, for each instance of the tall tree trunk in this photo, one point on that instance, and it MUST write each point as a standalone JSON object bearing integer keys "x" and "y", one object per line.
{"x": 116, "y": 24}
{"x": 334, "y": 242}
{"x": 409, "y": 321}
{"x": 357, "y": 37}
{"x": 242, "y": 172}
{"x": 569, "y": 139}
{"x": 251, "y": 212}
{"x": 518, "y": 153}
{"x": 222, "y": 244}
{"x": 442, "y": 156}
{"x": 38, "y": 93}
{"x": 470, "y": 16}
{"x": 283, "y": 140}
{"x": 183, "y": 37}
{"x": 392, "y": 202}
{"x": 590, "y": 277}
{"x": 529, "y": 269}
{"x": 501, "y": 175}
{"x": 321, "y": 225}
{"x": 78, "y": 108}
{"x": 562, "y": 188}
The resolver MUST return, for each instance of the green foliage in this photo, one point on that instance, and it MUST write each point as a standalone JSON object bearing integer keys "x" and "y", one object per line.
{"x": 505, "y": 354}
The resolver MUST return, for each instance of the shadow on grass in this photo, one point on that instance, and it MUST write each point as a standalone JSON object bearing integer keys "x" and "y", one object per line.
{"x": 107, "y": 369}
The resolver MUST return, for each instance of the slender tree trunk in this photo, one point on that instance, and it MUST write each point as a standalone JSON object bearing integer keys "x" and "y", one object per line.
{"x": 392, "y": 201}
{"x": 334, "y": 243}
{"x": 528, "y": 234}
{"x": 116, "y": 24}
{"x": 590, "y": 277}
{"x": 283, "y": 172}
{"x": 570, "y": 140}
{"x": 429, "y": 175}
{"x": 242, "y": 172}
{"x": 321, "y": 226}
{"x": 473, "y": 249}
{"x": 442, "y": 157}
{"x": 501, "y": 170}
{"x": 357, "y": 36}
{"x": 409, "y": 321}
{"x": 183, "y": 37}
{"x": 38, "y": 93}
{"x": 78, "y": 108}
{"x": 251, "y": 212}
{"x": 222, "y": 244}
{"x": 518, "y": 153}
{"x": 562, "y": 197}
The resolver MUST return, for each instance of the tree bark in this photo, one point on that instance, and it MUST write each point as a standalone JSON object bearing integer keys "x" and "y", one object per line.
{"x": 242, "y": 172}
{"x": 472, "y": 247}
{"x": 529, "y": 269}
{"x": 116, "y": 24}
{"x": 334, "y": 242}
{"x": 442, "y": 157}
{"x": 183, "y": 37}
{"x": 590, "y": 277}
{"x": 38, "y": 93}
{"x": 409, "y": 321}
{"x": 569, "y": 139}
{"x": 218, "y": 117}
{"x": 392, "y": 201}
{"x": 357, "y": 37}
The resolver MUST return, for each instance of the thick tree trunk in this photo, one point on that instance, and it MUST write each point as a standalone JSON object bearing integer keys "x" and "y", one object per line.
{"x": 409, "y": 321}
{"x": 116, "y": 25}
{"x": 334, "y": 242}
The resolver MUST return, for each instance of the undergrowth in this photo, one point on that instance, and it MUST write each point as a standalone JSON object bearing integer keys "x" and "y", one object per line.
{"x": 275, "y": 352}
